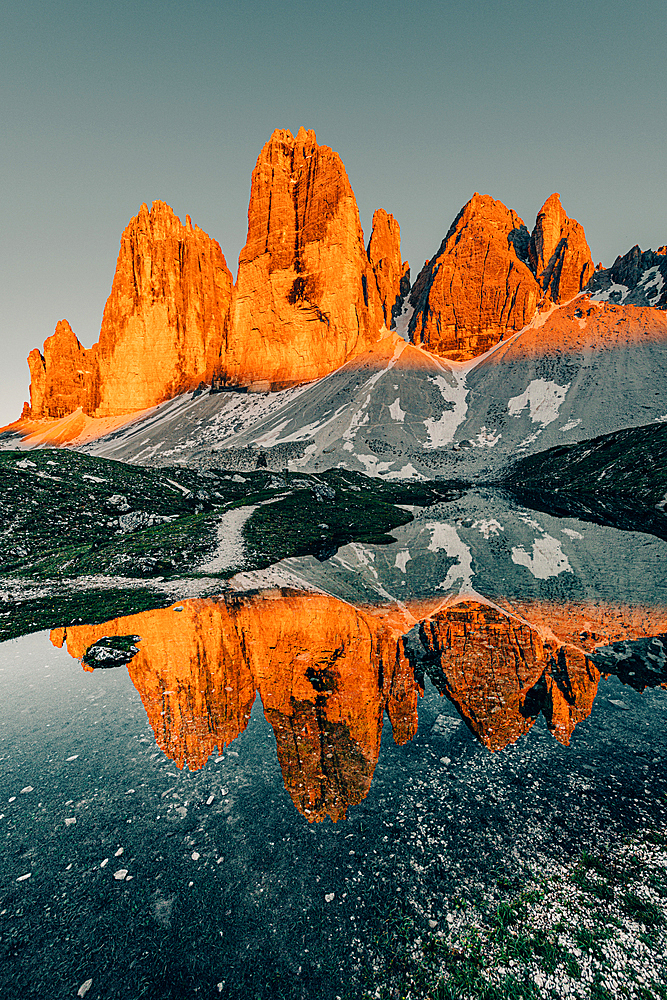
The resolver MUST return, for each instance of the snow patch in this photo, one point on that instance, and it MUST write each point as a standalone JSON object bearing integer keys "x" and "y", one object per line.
{"x": 547, "y": 559}
{"x": 446, "y": 538}
{"x": 570, "y": 425}
{"x": 487, "y": 528}
{"x": 402, "y": 559}
{"x": 487, "y": 439}
{"x": 544, "y": 398}
{"x": 441, "y": 431}
{"x": 396, "y": 412}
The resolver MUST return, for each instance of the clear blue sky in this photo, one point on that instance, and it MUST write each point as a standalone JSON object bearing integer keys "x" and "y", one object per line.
{"x": 108, "y": 104}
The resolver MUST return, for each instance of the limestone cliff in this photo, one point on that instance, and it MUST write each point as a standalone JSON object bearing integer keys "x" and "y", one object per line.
{"x": 478, "y": 287}
{"x": 306, "y": 298}
{"x": 165, "y": 322}
{"x": 60, "y": 377}
{"x": 392, "y": 276}
{"x": 559, "y": 254}
{"x": 490, "y": 276}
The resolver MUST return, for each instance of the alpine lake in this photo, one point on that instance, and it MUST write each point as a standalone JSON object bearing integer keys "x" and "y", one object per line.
{"x": 289, "y": 735}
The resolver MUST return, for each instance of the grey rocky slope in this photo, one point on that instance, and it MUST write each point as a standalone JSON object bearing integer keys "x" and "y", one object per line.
{"x": 584, "y": 369}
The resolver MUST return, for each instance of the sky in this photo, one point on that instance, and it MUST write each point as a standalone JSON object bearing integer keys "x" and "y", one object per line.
{"x": 108, "y": 104}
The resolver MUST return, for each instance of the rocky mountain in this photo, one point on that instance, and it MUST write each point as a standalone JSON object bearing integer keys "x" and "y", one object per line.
{"x": 637, "y": 279}
{"x": 308, "y": 295}
{"x": 163, "y": 329}
{"x": 61, "y": 376}
{"x": 558, "y": 253}
{"x": 489, "y": 276}
{"x": 392, "y": 276}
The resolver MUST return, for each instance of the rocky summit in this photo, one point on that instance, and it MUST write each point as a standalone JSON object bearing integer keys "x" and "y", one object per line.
{"x": 490, "y": 276}
{"x": 322, "y": 354}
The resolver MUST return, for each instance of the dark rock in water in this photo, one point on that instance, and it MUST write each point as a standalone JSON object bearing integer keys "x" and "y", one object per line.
{"x": 639, "y": 278}
{"x": 111, "y": 651}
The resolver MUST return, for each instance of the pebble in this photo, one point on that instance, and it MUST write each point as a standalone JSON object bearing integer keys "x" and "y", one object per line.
{"x": 28, "y": 788}
{"x": 70, "y": 821}
{"x": 22, "y": 878}
{"x": 329, "y": 896}
{"x": 118, "y": 852}
{"x": 195, "y": 855}
{"x": 83, "y": 989}
{"x": 120, "y": 875}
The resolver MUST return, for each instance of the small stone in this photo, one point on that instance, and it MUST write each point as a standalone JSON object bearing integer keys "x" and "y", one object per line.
{"x": 74, "y": 756}
{"x": 22, "y": 878}
{"x": 120, "y": 875}
{"x": 28, "y": 788}
{"x": 433, "y": 924}
{"x": 195, "y": 855}
{"x": 70, "y": 821}
{"x": 329, "y": 896}
{"x": 104, "y": 863}
{"x": 210, "y": 800}
{"x": 83, "y": 989}
{"x": 118, "y": 852}
{"x": 617, "y": 703}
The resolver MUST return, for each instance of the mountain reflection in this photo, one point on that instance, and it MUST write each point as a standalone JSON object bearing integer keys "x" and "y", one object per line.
{"x": 326, "y": 672}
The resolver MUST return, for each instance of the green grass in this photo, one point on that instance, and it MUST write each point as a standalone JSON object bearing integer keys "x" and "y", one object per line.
{"x": 64, "y": 515}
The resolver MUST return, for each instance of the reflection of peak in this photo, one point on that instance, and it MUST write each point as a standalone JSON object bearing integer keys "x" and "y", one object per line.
{"x": 500, "y": 673}
{"x": 326, "y": 672}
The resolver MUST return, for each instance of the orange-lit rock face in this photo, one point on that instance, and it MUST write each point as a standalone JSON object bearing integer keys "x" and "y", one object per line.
{"x": 501, "y": 674}
{"x": 164, "y": 326}
{"x": 489, "y": 663}
{"x": 559, "y": 254}
{"x": 325, "y": 673}
{"x": 306, "y": 299}
{"x": 478, "y": 287}
{"x": 165, "y": 323}
{"x": 384, "y": 253}
{"x": 585, "y": 325}
{"x": 60, "y": 377}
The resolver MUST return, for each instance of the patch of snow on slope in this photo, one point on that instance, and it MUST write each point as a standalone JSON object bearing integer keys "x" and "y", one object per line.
{"x": 396, "y": 412}
{"x": 402, "y": 559}
{"x": 570, "y": 425}
{"x": 547, "y": 559}
{"x": 372, "y": 464}
{"x": 487, "y": 439}
{"x": 441, "y": 432}
{"x": 487, "y": 528}
{"x": 407, "y": 472}
{"x": 544, "y": 398}
{"x": 652, "y": 279}
{"x": 446, "y": 538}
{"x": 403, "y": 321}
{"x": 622, "y": 291}
{"x": 231, "y": 546}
